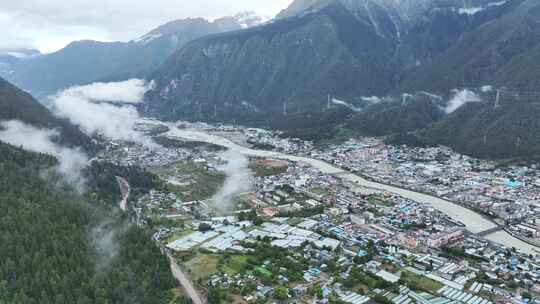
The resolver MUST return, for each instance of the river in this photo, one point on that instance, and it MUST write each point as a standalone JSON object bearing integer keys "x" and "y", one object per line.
{"x": 473, "y": 221}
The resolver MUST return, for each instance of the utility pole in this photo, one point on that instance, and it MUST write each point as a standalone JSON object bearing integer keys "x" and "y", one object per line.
{"x": 329, "y": 104}
{"x": 215, "y": 110}
{"x": 498, "y": 99}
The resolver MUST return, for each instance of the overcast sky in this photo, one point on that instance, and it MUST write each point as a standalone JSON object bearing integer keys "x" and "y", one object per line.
{"x": 51, "y": 24}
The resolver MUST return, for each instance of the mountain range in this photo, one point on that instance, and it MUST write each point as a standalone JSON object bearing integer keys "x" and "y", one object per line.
{"x": 87, "y": 61}
{"x": 327, "y": 67}
{"x": 358, "y": 51}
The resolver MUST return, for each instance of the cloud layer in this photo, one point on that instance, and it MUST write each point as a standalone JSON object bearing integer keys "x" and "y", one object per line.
{"x": 71, "y": 161}
{"x": 89, "y": 108}
{"x": 460, "y": 98}
{"x": 238, "y": 180}
{"x": 129, "y": 91}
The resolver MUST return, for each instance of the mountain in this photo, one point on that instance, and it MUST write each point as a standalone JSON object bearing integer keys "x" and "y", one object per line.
{"x": 10, "y": 57}
{"x": 347, "y": 48}
{"x": 16, "y": 104}
{"x": 395, "y": 116}
{"x": 280, "y": 74}
{"x": 503, "y": 52}
{"x": 292, "y": 63}
{"x": 87, "y": 61}
{"x": 481, "y": 129}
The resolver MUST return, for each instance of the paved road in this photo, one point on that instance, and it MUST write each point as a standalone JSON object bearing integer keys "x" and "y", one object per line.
{"x": 473, "y": 221}
{"x": 176, "y": 271}
{"x": 185, "y": 281}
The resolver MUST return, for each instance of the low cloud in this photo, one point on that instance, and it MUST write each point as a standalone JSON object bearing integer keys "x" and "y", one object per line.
{"x": 129, "y": 91}
{"x": 104, "y": 239}
{"x": 238, "y": 180}
{"x": 347, "y": 105}
{"x": 460, "y": 98}
{"x": 71, "y": 161}
{"x": 372, "y": 99}
{"x": 104, "y": 108}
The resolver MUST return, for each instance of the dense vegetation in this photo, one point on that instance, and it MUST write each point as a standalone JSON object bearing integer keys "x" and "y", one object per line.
{"x": 103, "y": 186}
{"x": 390, "y": 118}
{"x": 18, "y": 105}
{"x": 479, "y": 129}
{"x": 50, "y": 252}
{"x": 191, "y": 145}
{"x": 308, "y": 56}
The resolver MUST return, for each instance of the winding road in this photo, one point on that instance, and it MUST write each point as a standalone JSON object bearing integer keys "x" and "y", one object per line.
{"x": 125, "y": 190}
{"x": 473, "y": 221}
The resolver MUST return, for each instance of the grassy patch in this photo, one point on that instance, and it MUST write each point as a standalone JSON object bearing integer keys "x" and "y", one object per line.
{"x": 202, "y": 266}
{"x": 235, "y": 264}
{"x": 185, "y": 144}
{"x": 380, "y": 202}
{"x": 264, "y": 167}
{"x": 319, "y": 191}
{"x": 419, "y": 282}
{"x": 202, "y": 184}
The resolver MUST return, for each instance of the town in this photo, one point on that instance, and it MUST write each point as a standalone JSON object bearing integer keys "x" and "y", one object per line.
{"x": 297, "y": 234}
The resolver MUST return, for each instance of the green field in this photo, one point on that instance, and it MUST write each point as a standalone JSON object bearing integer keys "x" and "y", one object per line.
{"x": 204, "y": 184}
{"x": 202, "y": 266}
{"x": 319, "y": 191}
{"x": 261, "y": 167}
{"x": 235, "y": 264}
{"x": 418, "y": 282}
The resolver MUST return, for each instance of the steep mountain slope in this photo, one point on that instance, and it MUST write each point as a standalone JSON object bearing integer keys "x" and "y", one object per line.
{"x": 346, "y": 48}
{"x": 395, "y": 117}
{"x": 482, "y": 130}
{"x": 18, "y": 105}
{"x": 83, "y": 62}
{"x": 10, "y": 57}
{"x": 494, "y": 54}
{"x": 288, "y": 66}
{"x": 53, "y": 251}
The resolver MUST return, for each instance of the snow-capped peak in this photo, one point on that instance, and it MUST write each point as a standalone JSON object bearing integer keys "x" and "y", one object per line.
{"x": 250, "y": 19}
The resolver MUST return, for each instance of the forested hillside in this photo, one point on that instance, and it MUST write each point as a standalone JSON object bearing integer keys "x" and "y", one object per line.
{"x": 16, "y": 104}
{"x": 50, "y": 250}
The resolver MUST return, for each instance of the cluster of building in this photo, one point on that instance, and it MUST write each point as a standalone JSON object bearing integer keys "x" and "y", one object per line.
{"x": 508, "y": 193}
{"x": 407, "y": 252}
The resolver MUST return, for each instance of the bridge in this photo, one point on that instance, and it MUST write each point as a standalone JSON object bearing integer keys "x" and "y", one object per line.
{"x": 489, "y": 231}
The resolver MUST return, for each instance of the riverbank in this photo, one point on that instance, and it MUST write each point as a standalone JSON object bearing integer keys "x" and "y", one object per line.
{"x": 473, "y": 221}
